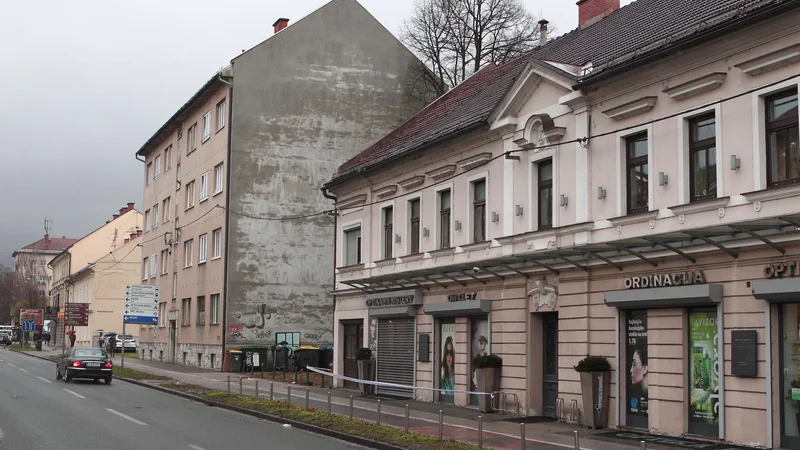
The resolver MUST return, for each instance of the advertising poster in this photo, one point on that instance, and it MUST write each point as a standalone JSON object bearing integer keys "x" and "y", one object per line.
{"x": 703, "y": 372}
{"x": 479, "y": 345}
{"x": 637, "y": 370}
{"x": 373, "y": 334}
{"x": 447, "y": 372}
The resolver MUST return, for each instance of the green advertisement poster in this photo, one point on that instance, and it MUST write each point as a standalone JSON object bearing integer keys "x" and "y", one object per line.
{"x": 704, "y": 372}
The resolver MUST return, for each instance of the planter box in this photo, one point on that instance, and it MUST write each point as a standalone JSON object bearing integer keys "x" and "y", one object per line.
{"x": 487, "y": 380}
{"x": 365, "y": 369}
{"x": 595, "y": 389}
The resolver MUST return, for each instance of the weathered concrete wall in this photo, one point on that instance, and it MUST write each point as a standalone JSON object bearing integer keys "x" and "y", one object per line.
{"x": 305, "y": 101}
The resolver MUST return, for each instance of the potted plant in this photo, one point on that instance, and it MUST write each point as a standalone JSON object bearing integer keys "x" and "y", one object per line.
{"x": 487, "y": 378}
{"x": 595, "y": 386}
{"x": 795, "y": 399}
{"x": 364, "y": 361}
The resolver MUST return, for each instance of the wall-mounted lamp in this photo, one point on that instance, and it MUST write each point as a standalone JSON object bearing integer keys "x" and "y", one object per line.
{"x": 495, "y": 217}
{"x": 426, "y": 232}
{"x": 735, "y": 162}
{"x": 396, "y": 238}
{"x": 601, "y": 192}
{"x": 518, "y": 212}
{"x": 663, "y": 179}
{"x": 564, "y": 200}
{"x": 458, "y": 225}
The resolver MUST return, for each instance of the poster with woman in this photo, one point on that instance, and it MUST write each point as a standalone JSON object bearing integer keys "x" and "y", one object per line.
{"x": 636, "y": 352}
{"x": 447, "y": 368}
{"x": 703, "y": 373}
{"x": 373, "y": 334}
{"x": 479, "y": 345}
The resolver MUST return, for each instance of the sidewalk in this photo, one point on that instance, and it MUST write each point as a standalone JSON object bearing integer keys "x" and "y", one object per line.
{"x": 459, "y": 422}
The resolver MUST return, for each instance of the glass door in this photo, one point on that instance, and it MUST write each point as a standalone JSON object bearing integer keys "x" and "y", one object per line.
{"x": 790, "y": 374}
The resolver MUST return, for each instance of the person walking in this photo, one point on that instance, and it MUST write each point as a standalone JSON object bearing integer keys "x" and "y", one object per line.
{"x": 72, "y": 340}
{"x": 112, "y": 345}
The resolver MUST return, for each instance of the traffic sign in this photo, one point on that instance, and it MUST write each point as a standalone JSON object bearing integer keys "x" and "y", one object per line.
{"x": 77, "y": 314}
{"x": 28, "y": 325}
{"x": 141, "y": 304}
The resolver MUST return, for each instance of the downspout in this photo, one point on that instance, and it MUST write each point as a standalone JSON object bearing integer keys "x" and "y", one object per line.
{"x": 328, "y": 195}
{"x": 227, "y": 217}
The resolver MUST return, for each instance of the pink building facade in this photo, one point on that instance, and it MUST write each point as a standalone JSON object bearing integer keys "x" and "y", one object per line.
{"x": 630, "y": 201}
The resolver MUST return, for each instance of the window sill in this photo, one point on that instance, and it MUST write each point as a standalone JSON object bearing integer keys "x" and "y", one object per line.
{"x": 216, "y": 193}
{"x": 189, "y": 208}
{"x": 205, "y": 138}
{"x": 412, "y": 257}
{"x": 443, "y": 252}
{"x": 203, "y": 199}
{"x": 773, "y": 193}
{"x": 186, "y": 325}
{"x": 191, "y": 151}
{"x": 216, "y": 258}
{"x": 634, "y": 218}
{"x": 476, "y": 246}
{"x": 219, "y": 129}
{"x": 200, "y": 325}
{"x": 700, "y": 206}
{"x": 215, "y": 324}
{"x": 350, "y": 268}
{"x": 201, "y": 262}
{"x": 386, "y": 262}
{"x": 186, "y": 267}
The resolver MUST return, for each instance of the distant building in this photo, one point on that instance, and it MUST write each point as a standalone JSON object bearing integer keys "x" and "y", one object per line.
{"x": 31, "y": 261}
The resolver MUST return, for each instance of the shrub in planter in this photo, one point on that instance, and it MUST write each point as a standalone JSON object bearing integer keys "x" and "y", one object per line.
{"x": 595, "y": 374}
{"x": 363, "y": 353}
{"x": 487, "y": 378}
{"x": 365, "y": 368}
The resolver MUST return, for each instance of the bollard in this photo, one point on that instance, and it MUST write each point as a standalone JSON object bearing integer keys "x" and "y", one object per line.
{"x": 271, "y": 390}
{"x": 308, "y": 376}
{"x": 306, "y": 399}
{"x": 406, "y": 417}
{"x": 229, "y": 385}
{"x": 577, "y": 441}
{"x": 257, "y": 394}
{"x": 642, "y": 445}
{"x": 351, "y": 407}
{"x": 289, "y": 395}
{"x": 480, "y": 431}
{"x": 379, "y": 412}
{"x": 329, "y": 403}
{"x": 240, "y": 386}
{"x": 441, "y": 425}
{"x": 524, "y": 442}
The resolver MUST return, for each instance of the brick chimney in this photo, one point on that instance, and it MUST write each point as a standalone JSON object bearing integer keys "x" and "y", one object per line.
{"x": 590, "y": 11}
{"x": 138, "y": 232}
{"x": 47, "y": 237}
{"x": 130, "y": 206}
{"x": 280, "y": 24}
{"x": 115, "y": 217}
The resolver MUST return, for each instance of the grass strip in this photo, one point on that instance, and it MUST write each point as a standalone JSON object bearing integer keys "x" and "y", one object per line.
{"x": 356, "y": 427}
{"x": 136, "y": 374}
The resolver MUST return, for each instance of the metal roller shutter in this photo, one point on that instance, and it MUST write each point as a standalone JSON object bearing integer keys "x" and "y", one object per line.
{"x": 396, "y": 356}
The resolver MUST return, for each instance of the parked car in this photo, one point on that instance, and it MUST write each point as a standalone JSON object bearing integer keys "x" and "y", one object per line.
{"x": 5, "y": 338}
{"x": 130, "y": 342}
{"x": 92, "y": 363}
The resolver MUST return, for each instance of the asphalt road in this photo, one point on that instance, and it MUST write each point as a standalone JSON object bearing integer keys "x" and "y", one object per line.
{"x": 39, "y": 412}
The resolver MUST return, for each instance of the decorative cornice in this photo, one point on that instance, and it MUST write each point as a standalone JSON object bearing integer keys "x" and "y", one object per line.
{"x": 697, "y": 86}
{"x": 386, "y": 190}
{"x": 409, "y": 183}
{"x": 474, "y": 161}
{"x": 701, "y": 206}
{"x": 631, "y": 109}
{"x": 771, "y": 61}
{"x": 634, "y": 218}
{"x": 442, "y": 252}
{"x": 352, "y": 202}
{"x": 773, "y": 193}
{"x": 353, "y": 268}
{"x": 386, "y": 262}
{"x": 476, "y": 246}
{"x": 554, "y": 134}
{"x": 414, "y": 257}
{"x": 441, "y": 172}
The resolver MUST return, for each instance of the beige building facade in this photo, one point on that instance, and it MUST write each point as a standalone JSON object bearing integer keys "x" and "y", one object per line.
{"x": 631, "y": 202}
{"x": 31, "y": 261}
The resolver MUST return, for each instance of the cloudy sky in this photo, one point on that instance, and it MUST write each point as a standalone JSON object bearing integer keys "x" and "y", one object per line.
{"x": 86, "y": 82}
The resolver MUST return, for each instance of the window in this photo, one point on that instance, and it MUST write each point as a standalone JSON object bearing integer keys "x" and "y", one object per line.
{"x": 155, "y": 215}
{"x": 168, "y": 158}
{"x": 147, "y": 220}
{"x": 42, "y": 262}
{"x": 444, "y": 218}
{"x": 479, "y": 211}
{"x": 186, "y": 311}
{"x": 201, "y": 252}
{"x": 191, "y": 139}
{"x": 149, "y": 173}
{"x": 219, "y": 179}
{"x": 637, "y": 172}
{"x": 220, "y": 115}
{"x": 217, "y": 242}
{"x": 162, "y": 312}
{"x": 201, "y": 310}
{"x": 153, "y": 265}
{"x": 413, "y": 223}
{"x": 165, "y": 206}
{"x": 783, "y": 155}
{"x": 206, "y": 126}
{"x": 158, "y": 167}
{"x": 164, "y": 254}
{"x": 288, "y": 339}
{"x": 388, "y": 231}
{"x": 145, "y": 268}
{"x": 214, "y": 309}
{"x": 178, "y": 177}
{"x": 352, "y": 249}
{"x": 544, "y": 170}
{"x": 187, "y": 253}
{"x": 703, "y": 157}
{"x": 174, "y": 285}
{"x": 190, "y": 194}
{"x": 204, "y": 186}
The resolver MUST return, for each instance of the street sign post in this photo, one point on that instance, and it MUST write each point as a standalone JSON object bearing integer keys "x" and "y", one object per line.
{"x": 77, "y": 314}
{"x": 28, "y": 326}
{"x": 141, "y": 307}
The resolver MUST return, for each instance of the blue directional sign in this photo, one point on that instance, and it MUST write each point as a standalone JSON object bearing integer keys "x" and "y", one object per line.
{"x": 29, "y": 325}
{"x": 142, "y": 320}
{"x": 141, "y": 304}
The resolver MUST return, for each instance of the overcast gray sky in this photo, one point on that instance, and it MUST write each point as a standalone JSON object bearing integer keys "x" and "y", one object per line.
{"x": 86, "y": 82}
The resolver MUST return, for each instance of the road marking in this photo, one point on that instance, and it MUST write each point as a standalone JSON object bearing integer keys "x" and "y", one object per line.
{"x": 12, "y": 365}
{"x": 20, "y": 368}
{"x": 139, "y": 422}
{"x": 74, "y": 393}
{"x": 196, "y": 447}
{"x": 1, "y": 434}
{"x": 45, "y": 380}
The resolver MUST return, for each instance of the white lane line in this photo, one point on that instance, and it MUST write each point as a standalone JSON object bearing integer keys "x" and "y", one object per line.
{"x": 1, "y": 434}
{"x": 45, "y": 380}
{"x": 20, "y": 368}
{"x": 12, "y": 365}
{"x": 138, "y": 422}
{"x": 196, "y": 447}
{"x": 74, "y": 393}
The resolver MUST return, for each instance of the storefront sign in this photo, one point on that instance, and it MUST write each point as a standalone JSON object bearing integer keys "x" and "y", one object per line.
{"x": 462, "y": 297}
{"x": 665, "y": 280}
{"x": 703, "y": 373}
{"x": 781, "y": 269}
{"x": 637, "y": 369}
{"x": 743, "y": 353}
{"x": 397, "y": 298}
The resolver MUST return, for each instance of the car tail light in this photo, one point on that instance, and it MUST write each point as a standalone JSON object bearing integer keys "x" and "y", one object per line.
{"x": 76, "y": 364}
{"x": 108, "y": 364}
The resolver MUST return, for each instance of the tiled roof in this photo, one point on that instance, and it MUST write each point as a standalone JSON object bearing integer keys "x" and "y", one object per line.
{"x": 50, "y": 244}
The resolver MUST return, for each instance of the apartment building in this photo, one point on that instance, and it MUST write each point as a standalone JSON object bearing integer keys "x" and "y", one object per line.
{"x": 627, "y": 190}
{"x": 247, "y": 267}
{"x": 31, "y": 261}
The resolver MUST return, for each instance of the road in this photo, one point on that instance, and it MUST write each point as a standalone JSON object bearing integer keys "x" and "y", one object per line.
{"x": 39, "y": 412}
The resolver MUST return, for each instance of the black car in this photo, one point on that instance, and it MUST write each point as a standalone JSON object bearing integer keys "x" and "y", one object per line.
{"x": 86, "y": 362}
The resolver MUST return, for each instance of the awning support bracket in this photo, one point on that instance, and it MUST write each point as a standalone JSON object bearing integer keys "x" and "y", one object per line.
{"x": 715, "y": 244}
{"x": 673, "y": 249}
{"x": 604, "y": 259}
{"x": 579, "y": 266}
{"x": 755, "y": 235}
{"x": 515, "y": 270}
{"x": 428, "y": 277}
{"x": 634, "y": 253}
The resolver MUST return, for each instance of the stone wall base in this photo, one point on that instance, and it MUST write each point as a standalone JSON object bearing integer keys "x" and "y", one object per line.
{"x": 194, "y": 355}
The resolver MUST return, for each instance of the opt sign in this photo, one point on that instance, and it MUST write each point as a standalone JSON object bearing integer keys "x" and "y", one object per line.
{"x": 77, "y": 314}
{"x": 141, "y": 304}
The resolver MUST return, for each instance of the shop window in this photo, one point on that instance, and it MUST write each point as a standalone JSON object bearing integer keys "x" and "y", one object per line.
{"x": 783, "y": 154}
{"x": 704, "y": 370}
{"x": 637, "y": 173}
{"x": 790, "y": 375}
{"x": 703, "y": 157}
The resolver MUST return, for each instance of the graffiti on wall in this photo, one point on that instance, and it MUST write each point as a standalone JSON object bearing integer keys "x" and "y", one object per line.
{"x": 260, "y": 326}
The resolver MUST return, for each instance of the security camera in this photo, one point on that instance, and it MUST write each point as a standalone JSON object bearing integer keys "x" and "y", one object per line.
{"x": 476, "y": 269}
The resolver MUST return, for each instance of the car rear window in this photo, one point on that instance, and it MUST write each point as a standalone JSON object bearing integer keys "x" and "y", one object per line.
{"x": 90, "y": 353}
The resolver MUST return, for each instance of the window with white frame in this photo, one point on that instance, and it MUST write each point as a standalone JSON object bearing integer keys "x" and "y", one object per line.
{"x": 147, "y": 220}
{"x": 445, "y": 205}
{"x": 145, "y": 268}
{"x": 188, "y": 248}
{"x": 388, "y": 231}
{"x": 175, "y": 285}
{"x": 479, "y": 210}
{"x": 190, "y": 194}
{"x": 702, "y": 157}
{"x": 178, "y": 177}
{"x": 414, "y": 226}
{"x": 153, "y": 265}
{"x": 164, "y": 268}
{"x": 783, "y": 145}
{"x": 214, "y": 309}
{"x": 544, "y": 193}
{"x": 167, "y": 158}
{"x": 186, "y": 312}
{"x": 217, "y": 244}
{"x": 201, "y": 310}
{"x": 191, "y": 138}
{"x": 162, "y": 312}
{"x": 204, "y": 186}
{"x": 220, "y": 115}
{"x": 165, "y": 207}
{"x": 157, "y": 167}
{"x": 202, "y": 249}
{"x": 155, "y": 215}
{"x": 352, "y": 246}
{"x": 149, "y": 174}
{"x": 219, "y": 179}
{"x": 206, "y": 126}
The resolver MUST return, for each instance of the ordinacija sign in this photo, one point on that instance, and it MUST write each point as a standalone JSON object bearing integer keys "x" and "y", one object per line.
{"x": 670, "y": 279}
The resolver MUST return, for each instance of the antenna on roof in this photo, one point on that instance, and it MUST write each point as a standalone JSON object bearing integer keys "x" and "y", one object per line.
{"x": 48, "y": 225}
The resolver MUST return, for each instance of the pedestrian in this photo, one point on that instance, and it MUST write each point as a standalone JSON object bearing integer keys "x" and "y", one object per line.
{"x": 47, "y": 337}
{"x": 112, "y": 344}
{"x": 72, "y": 340}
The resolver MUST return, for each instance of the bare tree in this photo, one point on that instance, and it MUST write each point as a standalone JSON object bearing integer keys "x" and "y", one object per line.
{"x": 456, "y": 38}
{"x": 21, "y": 288}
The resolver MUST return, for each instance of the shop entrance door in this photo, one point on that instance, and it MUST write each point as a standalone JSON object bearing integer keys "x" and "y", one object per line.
{"x": 790, "y": 374}
{"x": 550, "y": 363}
{"x": 353, "y": 340}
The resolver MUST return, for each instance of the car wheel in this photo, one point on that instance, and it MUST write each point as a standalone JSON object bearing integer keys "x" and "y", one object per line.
{"x": 108, "y": 380}
{"x": 68, "y": 378}
{"x": 58, "y": 373}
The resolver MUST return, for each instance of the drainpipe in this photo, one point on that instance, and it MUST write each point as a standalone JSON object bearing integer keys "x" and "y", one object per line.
{"x": 328, "y": 195}
{"x": 228, "y": 184}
